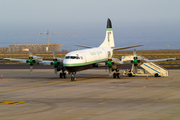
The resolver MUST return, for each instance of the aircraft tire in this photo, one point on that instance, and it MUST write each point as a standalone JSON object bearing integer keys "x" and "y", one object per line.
{"x": 64, "y": 74}
{"x": 130, "y": 75}
{"x": 60, "y": 75}
{"x": 114, "y": 75}
{"x": 118, "y": 75}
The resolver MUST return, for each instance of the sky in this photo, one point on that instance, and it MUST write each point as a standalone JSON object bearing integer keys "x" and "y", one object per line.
{"x": 25, "y": 18}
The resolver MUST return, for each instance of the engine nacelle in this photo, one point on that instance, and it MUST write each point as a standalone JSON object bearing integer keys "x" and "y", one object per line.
{"x": 35, "y": 60}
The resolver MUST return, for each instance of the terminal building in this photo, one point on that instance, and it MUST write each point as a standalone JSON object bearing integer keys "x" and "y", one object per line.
{"x": 5, "y": 49}
{"x": 32, "y": 47}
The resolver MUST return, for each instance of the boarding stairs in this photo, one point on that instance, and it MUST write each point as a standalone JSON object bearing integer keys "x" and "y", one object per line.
{"x": 155, "y": 69}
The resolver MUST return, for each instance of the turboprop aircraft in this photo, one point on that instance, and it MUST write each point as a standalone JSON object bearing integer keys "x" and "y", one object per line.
{"x": 84, "y": 59}
{"x": 87, "y": 58}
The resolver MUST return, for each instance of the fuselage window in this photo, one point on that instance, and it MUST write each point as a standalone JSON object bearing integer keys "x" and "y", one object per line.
{"x": 78, "y": 57}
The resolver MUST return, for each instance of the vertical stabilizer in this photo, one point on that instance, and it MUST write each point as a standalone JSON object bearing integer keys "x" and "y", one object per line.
{"x": 109, "y": 39}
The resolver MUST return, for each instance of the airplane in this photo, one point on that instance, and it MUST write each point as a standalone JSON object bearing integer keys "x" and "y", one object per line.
{"x": 78, "y": 60}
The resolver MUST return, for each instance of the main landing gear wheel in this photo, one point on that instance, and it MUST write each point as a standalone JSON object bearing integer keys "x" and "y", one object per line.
{"x": 130, "y": 75}
{"x": 62, "y": 75}
{"x": 116, "y": 75}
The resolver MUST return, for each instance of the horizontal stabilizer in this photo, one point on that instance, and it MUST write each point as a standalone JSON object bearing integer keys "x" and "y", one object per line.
{"x": 83, "y": 46}
{"x": 122, "y": 48}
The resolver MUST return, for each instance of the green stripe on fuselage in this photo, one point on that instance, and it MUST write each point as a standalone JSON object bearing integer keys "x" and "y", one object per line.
{"x": 86, "y": 63}
{"x": 109, "y": 29}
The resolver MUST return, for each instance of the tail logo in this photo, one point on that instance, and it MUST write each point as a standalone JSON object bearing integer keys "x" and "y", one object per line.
{"x": 108, "y": 36}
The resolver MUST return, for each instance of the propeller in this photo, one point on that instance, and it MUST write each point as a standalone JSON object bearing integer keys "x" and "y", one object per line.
{"x": 135, "y": 61}
{"x": 110, "y": 63}
{"x": 31, "y": 61}
{"x": 55, "y": 63}
{"x": 110, "y": 66}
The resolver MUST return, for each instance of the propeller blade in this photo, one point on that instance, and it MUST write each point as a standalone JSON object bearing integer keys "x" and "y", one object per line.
{"x": 31, "y": 62}
{"x": 31, "y": 68}
{"x": 55, "y": 62}
{"x": 110, "y": 66}
{"x": 55, "y": 71}
{"x": 110, "y": 71}
{"x": 134, "y": 53}
{"x": 135, "y": 69}
{"x": 30, "y": 54}
{"x": 54, "y": 55}
{"x": 55, "y": 66}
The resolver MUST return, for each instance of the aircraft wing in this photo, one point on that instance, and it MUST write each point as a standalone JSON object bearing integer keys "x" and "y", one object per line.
{"x": 116, "y": 61}
{"x": 122, "y": 48}
{"x": 16, "y": 60}
{"x": 157, "y": 60}
{"x": 46, "y": 62}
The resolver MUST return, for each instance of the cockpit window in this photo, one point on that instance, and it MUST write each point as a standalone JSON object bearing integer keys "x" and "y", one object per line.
{"x": 72, "y": 57}
{"x": 67, "y": 57}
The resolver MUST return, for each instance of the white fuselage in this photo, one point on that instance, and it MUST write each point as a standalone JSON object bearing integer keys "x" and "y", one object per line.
{"x": 86, "y": 57}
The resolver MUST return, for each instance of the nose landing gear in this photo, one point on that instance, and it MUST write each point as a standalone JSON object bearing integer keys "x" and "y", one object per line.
{"x": 73, "y": 78}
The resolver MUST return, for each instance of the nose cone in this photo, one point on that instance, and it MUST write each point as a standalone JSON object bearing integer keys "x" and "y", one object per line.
{"x": 72, "y": 59}
{"x": 67, "y": 62}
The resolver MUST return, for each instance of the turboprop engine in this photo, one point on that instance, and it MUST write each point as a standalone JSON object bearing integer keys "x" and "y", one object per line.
{"x": 57, "y": 62}
{"x": 33, "y": 60}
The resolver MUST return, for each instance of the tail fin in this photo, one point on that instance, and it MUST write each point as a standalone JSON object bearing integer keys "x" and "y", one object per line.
{"x": 109, "y": 39}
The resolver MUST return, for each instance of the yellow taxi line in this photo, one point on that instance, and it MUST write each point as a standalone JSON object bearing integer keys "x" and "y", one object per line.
{"x": 11, "y": 102}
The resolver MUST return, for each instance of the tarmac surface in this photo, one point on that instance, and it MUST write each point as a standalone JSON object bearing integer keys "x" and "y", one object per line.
{"x": 94, "y": 96}
{"x": 26, "y": 66}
